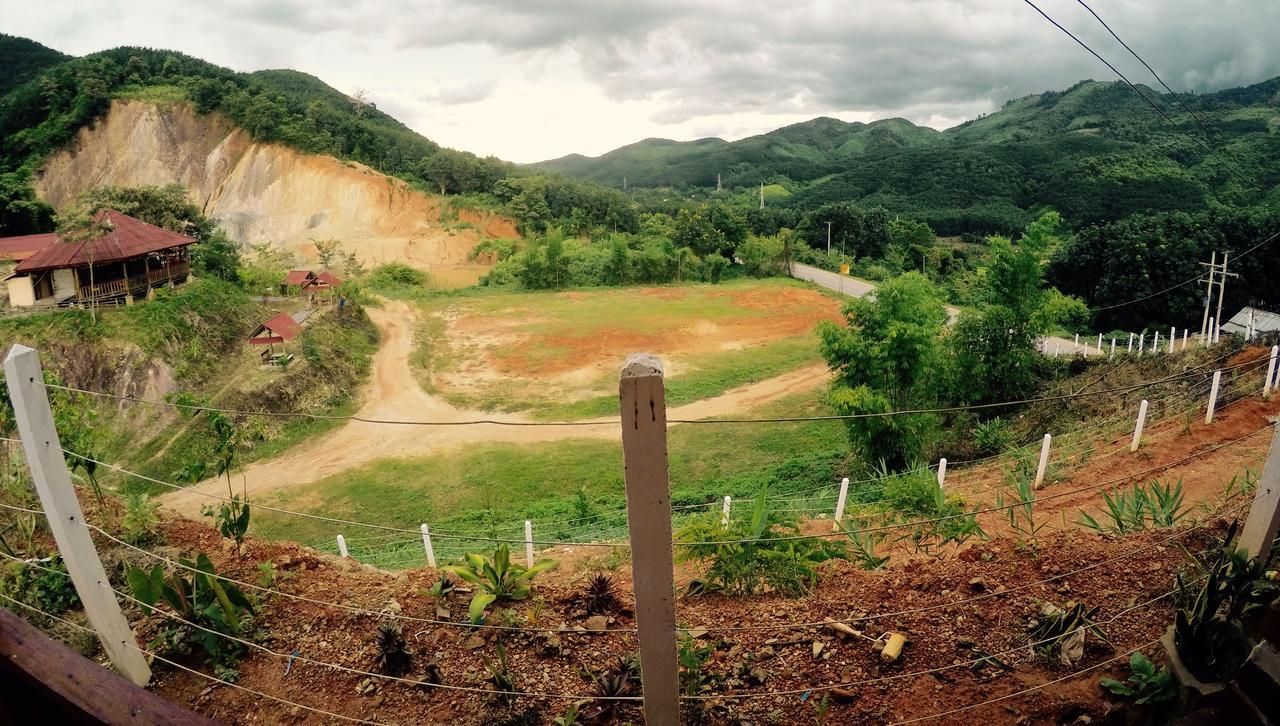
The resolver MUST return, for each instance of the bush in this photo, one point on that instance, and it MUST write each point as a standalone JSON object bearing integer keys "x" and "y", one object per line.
{"x": 761, "y": 256}
{"x": 397, "y": 274}
{"x": 749, "y": 556}
{"x": 46, "y": 587}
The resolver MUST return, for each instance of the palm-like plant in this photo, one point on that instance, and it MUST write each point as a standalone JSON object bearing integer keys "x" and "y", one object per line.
{"x": 497, "y": 579}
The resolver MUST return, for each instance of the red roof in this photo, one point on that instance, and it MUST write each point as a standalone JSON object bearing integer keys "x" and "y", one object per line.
{"x": 282, "y": 327}
{"x": 327, "y": 278}
{"x": 21, "y": 247}
{"x": 298, "y": 277}
{"x": 124, "y": 239}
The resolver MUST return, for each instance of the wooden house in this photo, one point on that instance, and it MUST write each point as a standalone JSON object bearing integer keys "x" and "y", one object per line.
{"x": 127, "y": 258}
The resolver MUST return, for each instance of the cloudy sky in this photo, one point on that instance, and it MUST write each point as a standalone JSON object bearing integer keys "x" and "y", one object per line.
{"x": 534, "y": 79}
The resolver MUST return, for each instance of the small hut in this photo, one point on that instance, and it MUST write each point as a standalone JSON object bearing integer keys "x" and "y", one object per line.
{"x": 280, "y": 329}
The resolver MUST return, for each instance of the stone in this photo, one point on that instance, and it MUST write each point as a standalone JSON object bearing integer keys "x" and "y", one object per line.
{"x": 601, "y": 622}
{"x": 977, "y": 584}
{"x": 473, "y": 641}
{"x": 817, "y": 649}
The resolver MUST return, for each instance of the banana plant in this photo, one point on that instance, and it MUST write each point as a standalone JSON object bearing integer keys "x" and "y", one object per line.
{"x": 497, "y": 579}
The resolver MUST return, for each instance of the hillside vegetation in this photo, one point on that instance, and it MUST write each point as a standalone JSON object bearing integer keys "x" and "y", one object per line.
{"x": 1094, "y": 152}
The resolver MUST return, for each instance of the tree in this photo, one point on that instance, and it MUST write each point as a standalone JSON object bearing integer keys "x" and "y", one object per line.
{"x": 996, "y": 344}
{"x": 762, "y": 256}
{"x": 888, "y": 356}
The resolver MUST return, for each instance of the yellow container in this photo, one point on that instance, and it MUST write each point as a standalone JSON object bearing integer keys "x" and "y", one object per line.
{"x": 844, "y": 269}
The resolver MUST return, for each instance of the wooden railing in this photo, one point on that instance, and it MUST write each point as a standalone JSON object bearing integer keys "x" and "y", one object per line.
{"x": 136, "y": 283}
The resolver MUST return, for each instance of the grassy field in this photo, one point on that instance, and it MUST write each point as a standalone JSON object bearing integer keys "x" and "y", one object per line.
{"x": 556, "y": 355}
{"x": 494, "y": 487}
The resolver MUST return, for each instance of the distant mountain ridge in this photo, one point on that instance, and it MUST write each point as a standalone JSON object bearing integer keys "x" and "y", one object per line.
{"x": 1094, "y": 151}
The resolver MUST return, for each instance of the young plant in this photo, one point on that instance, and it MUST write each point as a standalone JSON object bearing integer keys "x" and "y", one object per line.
{"x": 599, "y": 596}
{"x": 1147, "y": 684}
{"x": 1156, "y": 505}
{"x": 500, "y": 677}
{"x": 140, "y": 520}
{"x": 618, "y": 680}
{"x": 442, "y": 587}
{"x": 232, "y": 518}
{"x": 46, "y": 587}
{"x": 1063, "y": 629}
{"x": 863, "y": 546}
{"x": 1022, "y": 512}
{"x": 1212, "y": 626}
{"x": 497, "y": 579}
{"x": 393, "y": 656}
{"x": 692, "y": 657}
{"x": 211, "y": 607}
{"x": 750, "y": 555}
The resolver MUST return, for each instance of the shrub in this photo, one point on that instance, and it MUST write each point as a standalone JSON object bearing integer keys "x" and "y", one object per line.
{"x": 497, "y": 579}
{"x": 1147, "y": 684}
{"x": 46, "y": 587}
{"x": 140, "y": 520}
{"x": 397, "y": 275}
{"x": 747, "y": 556}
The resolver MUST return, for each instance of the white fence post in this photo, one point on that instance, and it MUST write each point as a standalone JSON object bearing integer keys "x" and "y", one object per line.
{"x": 1075, "y": 343}
{"x": 1099, "y": 343}
{"x": 1137, "y": 428}
{"x": 1112, "y": 354}
{"x": 1210, "y": 338}
{"x": 1130, "y": 343}
{"x": 1155, "y": 343}
{"x": 840, "y": 500}
{"x": 1044, "y": 460}
{"x": 1213, "y": 397}
{"x": 1185, "y": 331}
{"x": 1264, "y": 515}
{"x": 426, "y": 544}
{"x": 942, "y": 472}
{"x": 342, "y": 546}
{"x": 48, "y": 466}
{"x": 1142, "y": 342}
{"x": 1057, "y": 348}
{"x": 724, "y": 511}
{"x": 642, "y": 399}
{"x": 528, "y": 543}
{"x": 1271, "y": 371}
{"x": 1173, "y": 337}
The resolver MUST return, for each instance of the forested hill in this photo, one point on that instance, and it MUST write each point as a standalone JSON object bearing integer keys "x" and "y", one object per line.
{"x": 46, "y": 97}
{"x": 1095, "y": 152}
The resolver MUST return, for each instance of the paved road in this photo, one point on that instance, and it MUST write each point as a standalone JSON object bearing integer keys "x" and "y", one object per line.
{"x": 856, "y": 287}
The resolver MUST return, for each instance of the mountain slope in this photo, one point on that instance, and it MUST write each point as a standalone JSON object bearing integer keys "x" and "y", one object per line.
{"x": 22, "y": 59}
{"x": 1094, "y": 151}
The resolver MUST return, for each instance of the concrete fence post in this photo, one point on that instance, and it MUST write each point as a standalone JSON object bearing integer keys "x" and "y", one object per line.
{"x": 1155, "y": 344}
{"x": 724, "y": 511}
{"x": 1099, "y": 343}
{"x": 1185, "y": 331}
{"x": 528, "y": 543}
{"x": 642, "y": 399}
{"x": 1213, "y": 397}
{"x": 1130, "y": 343}
{"x": 1076, "y": 342}
{"x": 1137, "y": 427}
{"x": 1271, "y": 372}
{"x": 52, "y": 480}
{"x": 1112, "y": 354}
{"x": 1142, "y": 342}
{"x": 840, "y": 500}
{"x": 342, "y": 546}
{"x": 1057, "y": 348}
{"x": 942, "y": 472}
{"x": 1210, "y": 336}
{"x": 1264, "y": 515}
{"x": 1173, "y": 337}
{"x": 426, "y": 545}
{"x": 1044, "y": 460}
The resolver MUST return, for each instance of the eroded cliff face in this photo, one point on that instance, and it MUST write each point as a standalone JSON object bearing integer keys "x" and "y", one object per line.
{"x": 263, "y": 192}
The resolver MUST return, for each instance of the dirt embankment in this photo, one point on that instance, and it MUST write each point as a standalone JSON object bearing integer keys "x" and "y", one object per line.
{"x": 261, "y": 192}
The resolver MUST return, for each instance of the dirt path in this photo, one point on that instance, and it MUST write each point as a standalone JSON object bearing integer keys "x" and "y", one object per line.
{"x": 394, "y": 394}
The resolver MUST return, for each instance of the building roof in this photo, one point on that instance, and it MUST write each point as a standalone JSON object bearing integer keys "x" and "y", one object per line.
{"x": 124, "y": 238}
{"x": 327, "y": 278}
{"x": 282, "y": 327}
{"x": 1264, "y": 321}
{"x": 23, "y": 246}
{"x": 298, "y": 277}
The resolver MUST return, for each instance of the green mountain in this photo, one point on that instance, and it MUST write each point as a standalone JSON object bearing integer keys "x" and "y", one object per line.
{"x": 22, "y": 59}
{"x": 1095, "y": 152}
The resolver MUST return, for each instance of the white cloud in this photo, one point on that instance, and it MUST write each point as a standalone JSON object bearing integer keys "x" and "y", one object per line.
{"x": 532, "y": 79}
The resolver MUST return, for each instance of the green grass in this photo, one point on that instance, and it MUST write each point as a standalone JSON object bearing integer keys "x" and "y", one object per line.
{"x": 494, "y": 487}
{"x": 710, "y": 375}
{"x": 158, "y": 94}
{"x": 558, "y": 331}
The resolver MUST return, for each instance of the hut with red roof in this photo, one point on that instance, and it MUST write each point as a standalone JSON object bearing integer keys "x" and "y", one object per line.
{"x": 122, "y": 258}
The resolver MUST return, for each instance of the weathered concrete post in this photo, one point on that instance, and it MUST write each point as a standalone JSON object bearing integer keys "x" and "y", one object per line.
{"x": 642, "y": 396}
{"x": 1264, "y": 515}
{"x": 48, "y": 467}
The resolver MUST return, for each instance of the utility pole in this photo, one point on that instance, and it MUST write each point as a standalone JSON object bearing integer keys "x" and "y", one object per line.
{"x": 1222, "y": 286}
{"x": 718, "y": 182}
{"x": 828, "y": 239}
{"x": 1208, "y": 294}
